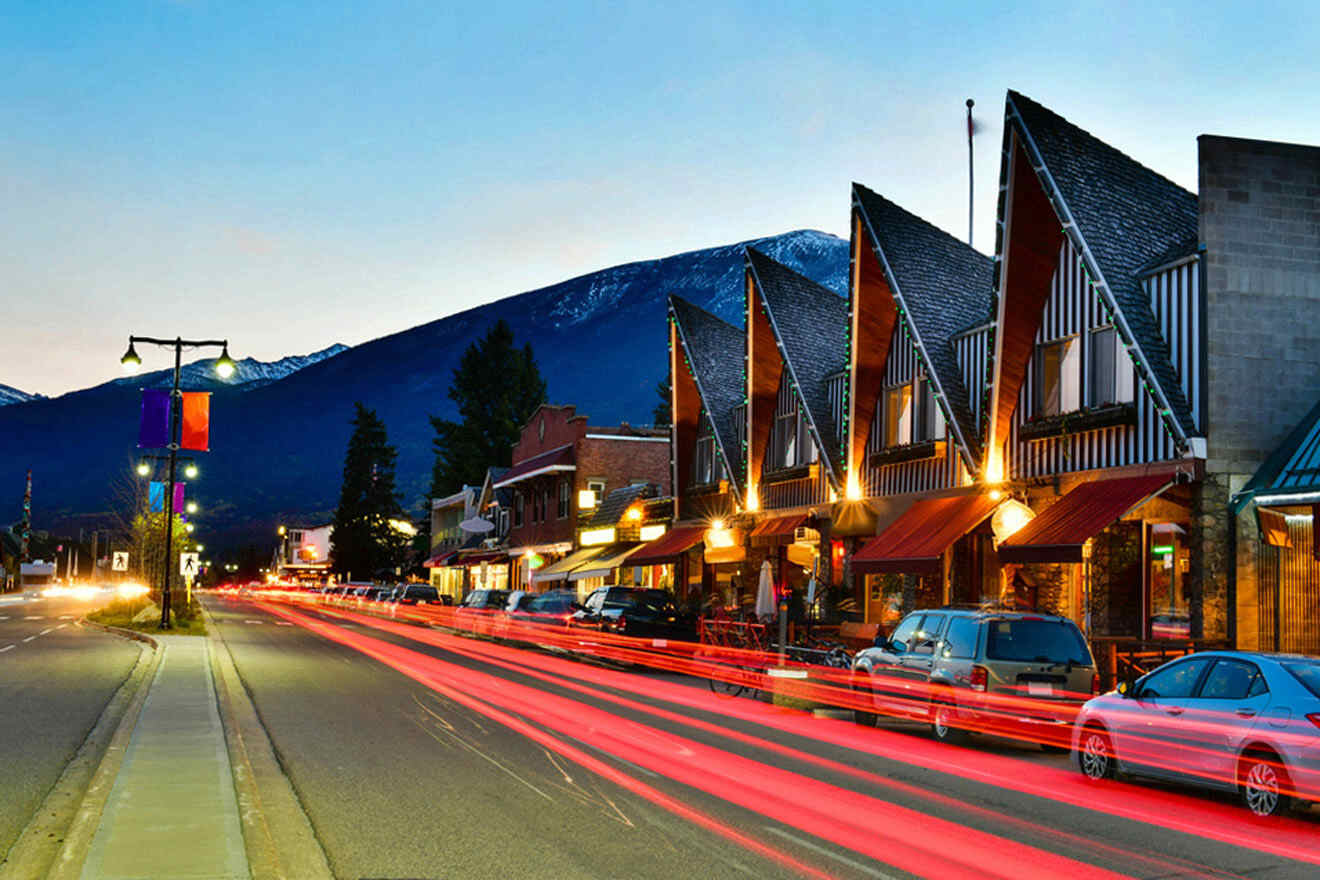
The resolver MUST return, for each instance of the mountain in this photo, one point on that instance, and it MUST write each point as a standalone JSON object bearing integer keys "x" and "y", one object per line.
{"x": 249, "y": 373}
{"x": 278, "y": 449}
{"x": 10, "y": 395}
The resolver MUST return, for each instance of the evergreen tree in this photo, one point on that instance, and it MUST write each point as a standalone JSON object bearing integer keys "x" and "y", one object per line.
{"x": 660, "y": 416}
{"x": 496, "y": 388}
{"x": 363, "y": 541}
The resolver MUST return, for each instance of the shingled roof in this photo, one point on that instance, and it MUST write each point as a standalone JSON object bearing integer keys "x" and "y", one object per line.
{"x": 810, "y": 323}
{"x": 616, "y": 503}
{"x": 1126, "y": 215}
{"x": 943, "y": 285}
{"x": 715, "y": 349}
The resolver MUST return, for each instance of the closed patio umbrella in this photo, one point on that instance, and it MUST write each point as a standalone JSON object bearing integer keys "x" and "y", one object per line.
{"x": 765, "y": 592}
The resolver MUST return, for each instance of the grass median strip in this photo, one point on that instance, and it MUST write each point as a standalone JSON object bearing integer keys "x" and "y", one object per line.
{"x": 143, "y": 615}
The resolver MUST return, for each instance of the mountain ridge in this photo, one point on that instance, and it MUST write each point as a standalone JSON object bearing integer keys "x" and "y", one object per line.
{"x": 277, "y": 448}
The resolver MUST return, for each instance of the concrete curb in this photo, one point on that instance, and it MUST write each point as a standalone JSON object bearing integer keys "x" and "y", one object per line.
{"x": 267, "y": 804}
{"x": 56, "y": 841}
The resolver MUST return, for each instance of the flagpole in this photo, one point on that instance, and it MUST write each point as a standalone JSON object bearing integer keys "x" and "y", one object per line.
{"x": 970, "y": 188}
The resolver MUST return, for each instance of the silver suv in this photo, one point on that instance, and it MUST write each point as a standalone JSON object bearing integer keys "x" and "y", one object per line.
{"x": 1019, "y": 674}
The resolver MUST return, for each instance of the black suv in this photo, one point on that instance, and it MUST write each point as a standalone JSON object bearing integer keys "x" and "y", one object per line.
{"x": 635, "y": 611}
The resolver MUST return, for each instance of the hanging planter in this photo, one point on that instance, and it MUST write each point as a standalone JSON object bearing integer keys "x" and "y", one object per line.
{"x": 1092, "y": 419}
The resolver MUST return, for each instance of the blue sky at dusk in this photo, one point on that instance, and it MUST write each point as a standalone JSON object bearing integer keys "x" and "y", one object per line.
{"x": 292, "y": 175}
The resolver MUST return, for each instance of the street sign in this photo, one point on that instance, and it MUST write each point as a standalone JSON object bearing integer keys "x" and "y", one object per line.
{"x": 121, "y": 561}
{"x": 188, "y": 564}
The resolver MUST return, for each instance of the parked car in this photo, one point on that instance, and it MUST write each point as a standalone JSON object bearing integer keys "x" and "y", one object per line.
{"x": 417, "y": 594}
{"x": 546, "y": 609}
{"x": 962, "y": 670}
{"x": 1238, "y": 721}
{"x": 519, "y": 599}
{"x": 485, "y": 601}
{"x": 635, "y": 611}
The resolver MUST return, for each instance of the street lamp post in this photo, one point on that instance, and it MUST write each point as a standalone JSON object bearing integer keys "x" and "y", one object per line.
{"x": 224, "y": 368}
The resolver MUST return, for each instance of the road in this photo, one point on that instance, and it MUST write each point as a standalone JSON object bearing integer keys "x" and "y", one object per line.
{"x": 418, "y": 753}
{"x": 56, "y": 677}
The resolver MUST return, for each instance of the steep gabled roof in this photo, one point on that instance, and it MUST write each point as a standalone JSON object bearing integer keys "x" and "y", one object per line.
{"x": 617, "y": 502}
{"x": 715, "y": 350}
{"x": 943, "y": 287}
{"x": 1125, "y": 216}
{"x": 810, "y": 324}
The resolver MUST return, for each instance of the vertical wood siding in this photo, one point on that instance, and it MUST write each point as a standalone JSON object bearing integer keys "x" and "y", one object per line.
{"x": 1074, "y": 309}
{"x": 972, "y": 350}
{"x": 1175, "y": 298}
{"x": 837, "y": 388}
{"x": 1289, "y": 600}
{"x": 945, "y": 470}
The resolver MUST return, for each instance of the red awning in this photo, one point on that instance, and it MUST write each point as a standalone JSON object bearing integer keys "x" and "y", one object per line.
{"x": 1058, "y": 533}
{"x": 556, "y": 460}
{"x": 914, "y": 543}
{"x": 776, "y": 529}
{"x": 440, "y": 559}
{"x": 669, "y": 546}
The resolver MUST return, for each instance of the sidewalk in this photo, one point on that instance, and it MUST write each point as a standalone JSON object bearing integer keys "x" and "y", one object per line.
{"x": 172, "y": 811}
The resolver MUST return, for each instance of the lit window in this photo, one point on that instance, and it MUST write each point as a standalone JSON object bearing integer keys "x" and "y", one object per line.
{"x": 597, "y": 486}
{"x": 1058, "y": 377}
{"x": 1112, "y": 378}
{"x": 898, "y": 415}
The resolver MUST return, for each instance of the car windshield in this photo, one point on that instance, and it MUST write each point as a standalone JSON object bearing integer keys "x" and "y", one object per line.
{"x": 1043, "y": 641}
{"x": 550, "y": 603}
{"x": 1308, "y": 673}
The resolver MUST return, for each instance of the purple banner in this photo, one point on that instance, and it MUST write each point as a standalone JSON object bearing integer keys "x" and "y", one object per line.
{"x": 156, "y": 497}
{"x": 154, "y": 431}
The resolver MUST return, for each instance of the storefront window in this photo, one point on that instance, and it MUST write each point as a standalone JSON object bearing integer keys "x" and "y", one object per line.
{"x": 1168, "y": 563}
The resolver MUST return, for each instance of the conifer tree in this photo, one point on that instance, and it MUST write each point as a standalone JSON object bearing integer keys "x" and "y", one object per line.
{"x": 363, "y": 541}
{"x": 660, "y": 416}
{"x": 496, "y": 388}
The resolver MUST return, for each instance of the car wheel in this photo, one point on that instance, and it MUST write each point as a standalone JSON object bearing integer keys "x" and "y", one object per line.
{"x": 1095, "y": 755}
{"x": 862, "y": 690}
{"x": 1264, "y": 783}
{"x": 942, "y": 716}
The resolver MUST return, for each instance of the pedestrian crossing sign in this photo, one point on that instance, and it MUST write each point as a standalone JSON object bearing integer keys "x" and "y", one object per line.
{"x": 188, "y": 563}
{"x": 120, "y": 561}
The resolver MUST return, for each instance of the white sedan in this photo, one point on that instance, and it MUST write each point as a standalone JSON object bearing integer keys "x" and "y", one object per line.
{"x": 1233, "y": 720}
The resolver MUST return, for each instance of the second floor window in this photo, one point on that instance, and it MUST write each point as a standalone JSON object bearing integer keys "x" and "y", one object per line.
{"x": 898, "y": 415}
{"x": 912, "y": 414}
{"x": 1058, "y": 377}
{"x": 1112, "y": 379}
{"x": 706, "y": 465}
{"x": 563, "y": 498}
{"x": 597, "y": 487}
{"x": 517, "y": 509}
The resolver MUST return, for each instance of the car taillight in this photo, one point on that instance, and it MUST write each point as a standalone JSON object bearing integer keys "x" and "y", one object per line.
{"x": 980, "y": 678}
{"x": 1314, "y": 718}
{"x": 1095, "y": 683}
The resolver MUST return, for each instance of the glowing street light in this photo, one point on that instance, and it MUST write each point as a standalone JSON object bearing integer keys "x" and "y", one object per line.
{"x": 224, "y": 368}
{"x": 130, "y": 361}
{"x": 188, "y": 527}
{"x": 191, "y": 507}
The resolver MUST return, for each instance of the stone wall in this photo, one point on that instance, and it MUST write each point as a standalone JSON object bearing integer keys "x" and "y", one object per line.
{"x": 1260, "y": 212}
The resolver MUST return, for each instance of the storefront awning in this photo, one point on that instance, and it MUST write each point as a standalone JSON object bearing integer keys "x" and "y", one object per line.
{"x": 440, "y": 559}
{"x": 560, "y": 570}
{"x": 915, "y": 542}
{"x": 1058, "y": 533}
{"x": 613, "y": 556}
{"x": 669, "y": 546}
{"x": 491, "y": 556}
{"x": 776, "y": 529}
{"x": 555, "y": 461}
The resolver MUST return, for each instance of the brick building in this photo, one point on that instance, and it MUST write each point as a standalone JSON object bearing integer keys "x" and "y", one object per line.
{"x": 563, "y": 467}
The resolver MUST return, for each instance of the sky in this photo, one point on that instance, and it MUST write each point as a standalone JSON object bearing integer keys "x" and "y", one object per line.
{"x": 291, "y": 175}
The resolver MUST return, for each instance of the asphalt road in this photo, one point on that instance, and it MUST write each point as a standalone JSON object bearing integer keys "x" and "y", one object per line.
{"x": 55, "y": 679}
{"x": 421, "y": 754}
